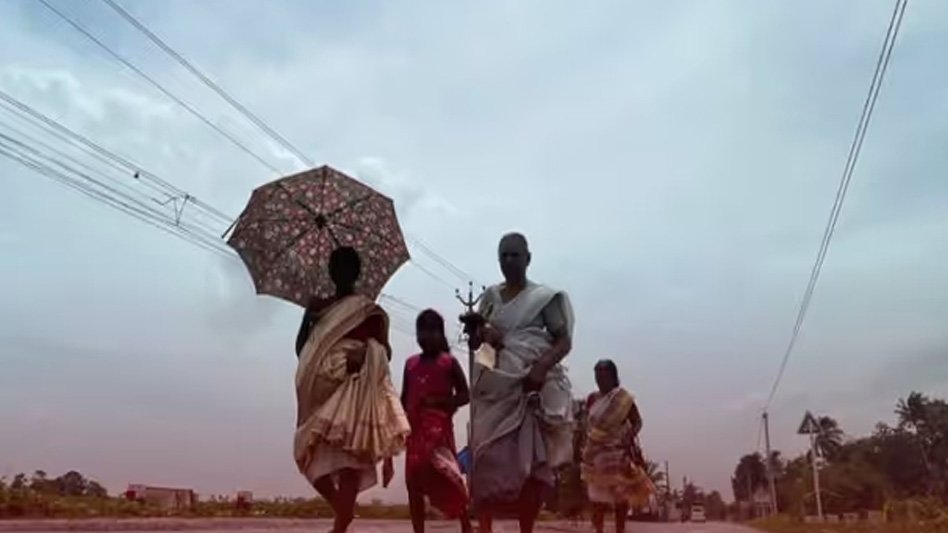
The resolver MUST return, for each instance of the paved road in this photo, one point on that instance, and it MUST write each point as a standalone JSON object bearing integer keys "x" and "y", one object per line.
{"x": 320, "y": 526}
{"x": 510, "y": 527}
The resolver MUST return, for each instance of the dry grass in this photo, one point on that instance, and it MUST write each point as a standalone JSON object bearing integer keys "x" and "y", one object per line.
{"x": 787, "y": 525}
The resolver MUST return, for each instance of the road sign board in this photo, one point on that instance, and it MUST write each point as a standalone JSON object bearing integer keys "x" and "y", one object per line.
{"x": 809, "y": 426}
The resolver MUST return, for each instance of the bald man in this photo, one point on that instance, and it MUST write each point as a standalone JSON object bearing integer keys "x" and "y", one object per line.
{"x": 522, "y": 430}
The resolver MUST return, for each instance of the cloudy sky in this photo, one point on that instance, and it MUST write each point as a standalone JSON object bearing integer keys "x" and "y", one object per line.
{"x": 672, "y": 163}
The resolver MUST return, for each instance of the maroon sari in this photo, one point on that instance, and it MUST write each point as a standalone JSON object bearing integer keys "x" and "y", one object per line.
{"x": 431, "y": 464}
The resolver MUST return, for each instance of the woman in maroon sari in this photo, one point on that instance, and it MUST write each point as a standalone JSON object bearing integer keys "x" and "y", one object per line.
{"x": 433, "y": 388}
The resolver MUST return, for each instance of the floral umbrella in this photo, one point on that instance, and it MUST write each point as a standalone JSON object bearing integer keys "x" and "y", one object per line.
{"x": 290, "y": 227}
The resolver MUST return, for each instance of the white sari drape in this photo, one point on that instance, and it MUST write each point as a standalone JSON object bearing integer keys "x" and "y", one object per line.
{"x": 540, "y": 423}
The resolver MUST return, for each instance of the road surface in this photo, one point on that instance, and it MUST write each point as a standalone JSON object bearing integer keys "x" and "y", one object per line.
{"x": 321, "y": 526}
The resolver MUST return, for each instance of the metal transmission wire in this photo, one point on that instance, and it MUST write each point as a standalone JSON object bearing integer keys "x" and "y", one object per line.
{"x": 400, "y": 303}
{"x": 64, "y": 169}
{"x": 448, "y": 265}
{"x": 24, "y": 157}
{"x": 263, "y": 127}
{"x": 94, "y": 188}
{"x": 242, "y": 109}
{"x": 186, "y": 106}
{"x": 126, "y": 187}
{"x": 49, "y": 126}
{"x": 882, "y": 64}
{"x": 123, "y": 166}
{"x": 41, "y": 123}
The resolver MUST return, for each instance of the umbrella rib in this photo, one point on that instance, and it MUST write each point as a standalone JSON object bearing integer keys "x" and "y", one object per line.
{"x": 296, "y": 239}
{"x": 284, "y": 219}
{"x": 313, "y": 211}
{"x": 364, "y": 232}
{"x": 301, "y": 203}
{"x": 351, "y": 204}
{"x": 332, "y": 235}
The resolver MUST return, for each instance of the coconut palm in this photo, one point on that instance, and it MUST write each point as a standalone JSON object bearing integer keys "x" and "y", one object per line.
{"x": 830, "y": 438}
{"x": 653, "y": 470}
{"x": 750, "y": 475}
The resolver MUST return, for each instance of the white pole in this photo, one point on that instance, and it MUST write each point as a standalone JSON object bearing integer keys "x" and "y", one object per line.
{"x": 770, "y": 467}
{"x": 816, "y": 478}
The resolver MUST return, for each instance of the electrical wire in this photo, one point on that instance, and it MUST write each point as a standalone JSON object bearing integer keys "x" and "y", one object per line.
{"x": 143, "y": 215}
{"x": 265, "y": 128}
{"x": 448, "y": 265}
{"x": 49, "y": 126}
{"x": 855, "y": 149}
{"x": 116, "y": 194}
{"x": 154, "y": 83}
{"x": 249, "y": 115}
{"x": 242, "y": 109}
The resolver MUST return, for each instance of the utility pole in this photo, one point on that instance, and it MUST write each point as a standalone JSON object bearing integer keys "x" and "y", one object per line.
{"x": 668, "y": 500}
{"x": 770, "y": 466}
{"x": 469, "y": 304}
{"x": 810, "y": 427}
{"x": 816, "y": 478}
{"x": 668, "y": 479}
{"x": 750, "y": 496}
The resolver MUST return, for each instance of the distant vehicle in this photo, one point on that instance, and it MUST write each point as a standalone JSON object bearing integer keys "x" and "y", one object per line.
{"x": 697, "y": 514}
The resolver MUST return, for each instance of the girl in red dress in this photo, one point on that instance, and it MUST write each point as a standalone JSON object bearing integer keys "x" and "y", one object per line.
{"x": 433, "y": 389}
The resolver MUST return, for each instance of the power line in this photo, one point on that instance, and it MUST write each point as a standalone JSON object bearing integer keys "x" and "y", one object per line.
{"x": 263, "y": 126}
{"x": 260, "y": 124}
{"x": 448, "y": 265}
{"x": 44, "y": 129}
{"x": 23, "y": 157}
{"x": 96, "y": 188}
{"x": 425, "y": 270}
{"x": 49, "y": 126}
{"x": 186, "y": 106}
{"x": 94, "y": 184}
{"x": 126, "y": 187}
{"x": 242, "y": 109}
{"x": 855, "y": 148}
{"x": 401, "y": 303}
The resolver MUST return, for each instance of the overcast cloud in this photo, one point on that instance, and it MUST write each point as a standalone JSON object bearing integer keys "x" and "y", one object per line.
{"x": 672, "y": 163}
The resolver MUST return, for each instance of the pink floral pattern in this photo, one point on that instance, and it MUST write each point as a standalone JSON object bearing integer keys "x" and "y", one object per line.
{"x": 290, "y": 227}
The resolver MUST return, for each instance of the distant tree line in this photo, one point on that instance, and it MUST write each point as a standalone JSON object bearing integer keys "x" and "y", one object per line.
{"x": 895, "y": 463}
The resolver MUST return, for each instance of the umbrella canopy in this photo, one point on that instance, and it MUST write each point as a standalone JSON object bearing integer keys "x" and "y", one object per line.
{"x": 290, "y": 227}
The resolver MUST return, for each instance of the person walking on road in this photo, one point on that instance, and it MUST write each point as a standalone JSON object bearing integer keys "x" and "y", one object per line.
{"x": 522, "y": 426}
{"x": 349, "y": 416}
{"x": 612, "y": 461}
{"x": 434, "y": 387}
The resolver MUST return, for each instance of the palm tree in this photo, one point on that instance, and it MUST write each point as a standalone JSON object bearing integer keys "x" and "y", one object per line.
{"x": 750, "y": 475}
{"x": 652, "y": 470}
{"x": 777, "y": 464}
{"x": 830, "y": 438}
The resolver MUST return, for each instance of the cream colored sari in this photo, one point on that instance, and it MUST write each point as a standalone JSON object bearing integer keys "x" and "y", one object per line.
{"x": 608, "y": 461}
{"x": 346, "y": 421}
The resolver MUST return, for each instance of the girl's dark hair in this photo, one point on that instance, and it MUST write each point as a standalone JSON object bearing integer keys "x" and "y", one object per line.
{"x": 429, "y": 318}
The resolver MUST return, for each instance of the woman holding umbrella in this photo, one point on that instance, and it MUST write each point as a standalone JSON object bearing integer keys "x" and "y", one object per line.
{"x": 343, "y": 365}
{"x": 304, "y": 238}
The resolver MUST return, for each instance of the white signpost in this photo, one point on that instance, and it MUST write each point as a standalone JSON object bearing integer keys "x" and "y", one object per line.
{"x": 811, "y": 427}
